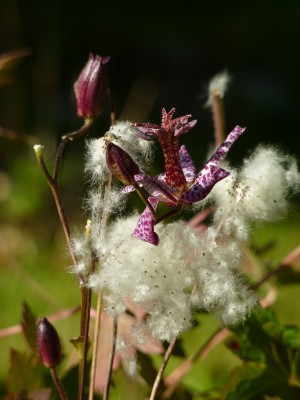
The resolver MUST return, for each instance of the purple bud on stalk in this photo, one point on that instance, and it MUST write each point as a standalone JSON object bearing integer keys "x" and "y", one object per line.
{"x": 120, "y": 164}
{"x": 48, "y": 343}
{"x": 91, "y": 87}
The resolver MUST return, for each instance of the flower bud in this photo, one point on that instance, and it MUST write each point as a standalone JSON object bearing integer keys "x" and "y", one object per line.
{"x": 91, "y": 87}
{"x": 120, "y": 164}
{"x": 48, "y": 343}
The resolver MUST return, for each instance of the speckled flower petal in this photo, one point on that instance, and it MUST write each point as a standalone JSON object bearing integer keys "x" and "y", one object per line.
{"x": 187, "y": 164}
{"x": 221, "y": 152}
{"x": 144, "y": 229}
{"x": 146, "y": 131}
{"x": 156, "y": 188}
{"x": 203, "y": 184}
{"x": 128, "y": 189}
{"x": 184, "y": 126}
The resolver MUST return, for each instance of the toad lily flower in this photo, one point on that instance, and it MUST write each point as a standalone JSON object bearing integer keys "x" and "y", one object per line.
{"x": 179, "y": 185}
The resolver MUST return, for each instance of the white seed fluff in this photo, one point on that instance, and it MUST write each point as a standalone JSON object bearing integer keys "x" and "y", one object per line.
{"x": 218, "y": 86}
{"x": 258, "y": 191}
{"x": 165, "y": 279}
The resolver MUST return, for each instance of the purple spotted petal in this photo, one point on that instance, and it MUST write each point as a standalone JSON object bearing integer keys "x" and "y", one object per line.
{"x": 128, "y": 189}
{"x": 184, "y": 127}
{"x": 161, "y": 177}
{"x": 187, "y": 164}
{"x": 156, "y": 188}
{"x": 221, "y": 152}
{"x": 144, "y": 229}
{"x": 203, "y": 184}
{"x": 146, "y": 131}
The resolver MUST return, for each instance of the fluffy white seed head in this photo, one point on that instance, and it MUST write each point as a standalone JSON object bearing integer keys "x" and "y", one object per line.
{"x": 218, "y": 86}
{"x": 164, "y": 279}
{"x": 258, "y": 191}
{"x": 95, "y": 161}
{"x": 122, "y": 133}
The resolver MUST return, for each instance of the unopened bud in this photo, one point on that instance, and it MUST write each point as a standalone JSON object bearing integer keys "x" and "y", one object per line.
{"x": 48, "y": 343}
{"x": 91, "y": 87}
{"x": 120, "y": 164}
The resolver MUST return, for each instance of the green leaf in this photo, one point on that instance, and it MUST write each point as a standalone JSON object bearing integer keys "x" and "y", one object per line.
{"x": 291, "y": 337}
{"x": 243, "y": 348}
{"x": 77, "y": 342}
{"x": 25, "y": 372}
{"x": 146, "y": 368}
{"x": 125, "y": 387}
{"x": 253, "y": 382}
{"x": 28, "y": 322}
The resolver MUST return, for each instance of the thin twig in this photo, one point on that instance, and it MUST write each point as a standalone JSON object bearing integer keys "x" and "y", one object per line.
{"x": 13, "y": 330}
{"x": 162, "y": 369}
{"x": 287, "y": 261}
{"x": 174, "y": 379}
{"x": 21, "y": 137}
{"x": 111, "y": 359}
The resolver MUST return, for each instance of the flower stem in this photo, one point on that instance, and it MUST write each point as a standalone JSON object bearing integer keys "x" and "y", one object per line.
{"x": 95, "y": 346}
{"x": 104, "y": 221}
{"x": 111, "y": 360}
{"x": 86, "y": 298}
{"x": 168, "y": 214}
{"x": 218, "y": 118}
{"x": 60, "y": 209}
{"x": 159, "y": 375}
{"x": 65, "y": 140}
{"x": 112, "y": 107}
{"x": 145, "y": 200}
{"x": 57, "y": 382}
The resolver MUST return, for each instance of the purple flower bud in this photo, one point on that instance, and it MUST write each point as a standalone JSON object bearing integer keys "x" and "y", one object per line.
{"x": 48, "y": 343}
{"x": 120, "y": 164}
{"x": 91, "y": 87}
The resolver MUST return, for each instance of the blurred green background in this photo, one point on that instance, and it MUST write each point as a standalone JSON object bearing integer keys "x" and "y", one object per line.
{"x": 162, "y": 55}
